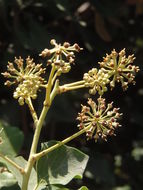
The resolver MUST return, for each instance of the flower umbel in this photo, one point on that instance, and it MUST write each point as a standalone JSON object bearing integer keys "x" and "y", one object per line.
{"x": 27, "y": 77}
{"x": 62, "y": 55}
{"x": 96, "y": 81}
{"x": 119, "y": 68}
{"x": 102, "y": 119}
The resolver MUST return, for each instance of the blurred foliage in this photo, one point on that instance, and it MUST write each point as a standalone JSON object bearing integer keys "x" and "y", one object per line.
{"x": 98, "y": 26}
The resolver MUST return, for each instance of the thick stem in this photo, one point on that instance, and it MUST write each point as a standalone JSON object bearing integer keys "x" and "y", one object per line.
{"x": 46, "y": 151}
{"x": 32, "y": 159}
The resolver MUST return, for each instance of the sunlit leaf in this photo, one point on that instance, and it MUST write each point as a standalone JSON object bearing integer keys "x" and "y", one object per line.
{"x": 61, "y": 165}
{"x": 7, "y": 179}
{"x": 83, "y": 188}
{"x": 22, "y": 162}
{"x": 12, "y": 140}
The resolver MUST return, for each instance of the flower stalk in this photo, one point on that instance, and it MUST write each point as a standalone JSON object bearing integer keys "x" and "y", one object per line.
{"x": 46, "y": 151}
{"x": 13, "y": 163}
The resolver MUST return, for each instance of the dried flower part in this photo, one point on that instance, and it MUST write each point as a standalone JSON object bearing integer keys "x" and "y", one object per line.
{"x": 62, "y": 56}
{"x": 96, "y": 81}
{"x": 27, "y": 77}
{"x": 101, "y": 119}
{"x": 119, "y": 68}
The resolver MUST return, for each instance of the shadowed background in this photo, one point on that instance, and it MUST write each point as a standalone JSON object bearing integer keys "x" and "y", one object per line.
{"x": 26, "y": 28}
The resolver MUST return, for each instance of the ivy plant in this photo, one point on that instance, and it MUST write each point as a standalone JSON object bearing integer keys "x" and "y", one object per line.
{"x": 56, "y": 164}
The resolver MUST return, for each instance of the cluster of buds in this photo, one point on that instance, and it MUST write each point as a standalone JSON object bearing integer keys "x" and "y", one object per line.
{"x": 119, "y": 68}
{"x": 99, "y": 119}
{"x": 62, "y": 56}
{"x": 96, "y": 81}
{"x": 27, "y": 77}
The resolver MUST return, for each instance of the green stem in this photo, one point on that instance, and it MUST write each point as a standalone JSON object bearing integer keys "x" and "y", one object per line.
{"x": 49, "y": 87}
{"x": 75, "y": 83}
{"x": 33, "y": 150}
{"x": 32, "y": 110}
{"x": 64, "y": 88}
{"x": 12, "y": 163}
{"x": 31, "y": 159}
{"x": 46, "y": 151}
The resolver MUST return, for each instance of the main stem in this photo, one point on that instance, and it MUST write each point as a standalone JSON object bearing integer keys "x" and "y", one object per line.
{"x": 31, "y": 160}
{"x": 48, "y": 99}
{"x": 33, "y": 150}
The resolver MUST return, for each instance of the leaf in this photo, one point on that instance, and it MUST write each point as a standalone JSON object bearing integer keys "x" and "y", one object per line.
{"x": 125, "y": 187}
{"x": 12, "y": 140}
{"x": 7, "y": 179}
{"x": 83, "y": 188}
{"x": 61, "y": 165}
{"x": 22, "y": 162}
{"x": 100, "y": 27}
{"x": 44, "y": 186}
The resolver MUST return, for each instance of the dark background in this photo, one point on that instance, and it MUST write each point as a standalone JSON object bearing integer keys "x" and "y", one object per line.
{"x": 98, "y": 26}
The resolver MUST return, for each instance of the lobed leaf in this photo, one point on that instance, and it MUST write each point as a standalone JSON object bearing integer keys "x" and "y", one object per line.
{"x": 61, "y": 165}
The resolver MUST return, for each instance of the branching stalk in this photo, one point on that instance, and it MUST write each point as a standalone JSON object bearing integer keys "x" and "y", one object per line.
{"x": 13, "y": 163}
{"x": 64, "y": 88}
{"x": 44, "y": 152}
{"x": 49, "y": 86}
{"x": 35, "y": 141}
{"x": 81, "y": 82}
{"x": 32, "y": 111}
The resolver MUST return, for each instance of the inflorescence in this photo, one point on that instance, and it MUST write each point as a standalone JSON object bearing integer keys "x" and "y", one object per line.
{"x": 96, "y": 80}
{"x": 119, "y": 68}
{"x": 27, "y": 77}
{"x": 115, "y": 67}
{"x": 101, "y": 119}
{"x": 62, "y": 56}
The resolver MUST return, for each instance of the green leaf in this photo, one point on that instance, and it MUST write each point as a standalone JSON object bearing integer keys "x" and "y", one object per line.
{"x": 125, "y": 187}
{"x": 83, "y": 188}
{"x": 12, "y": 140}
{"x": 7, "y": 179}
{"x": 61, "y": 165}
{"x": 43, "y": 186}
{"x": 22, "y": 162}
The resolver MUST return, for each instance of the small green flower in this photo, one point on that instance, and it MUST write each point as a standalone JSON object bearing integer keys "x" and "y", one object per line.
{"x": 96, "y": 81}
{"x": 102, "y": 119}
{"x": 27, "y": 77}
{"x": 62, "y": 56}
{"x": 119, "y": 68}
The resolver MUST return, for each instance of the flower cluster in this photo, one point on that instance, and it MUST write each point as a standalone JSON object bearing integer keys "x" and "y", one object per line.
{"x": 62, "y": 56}
{"x": 96, "y": 81}
{"x": 119, "y": 68}
{"x": 28, "y": 77}
{"x": 99, "y": 119}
